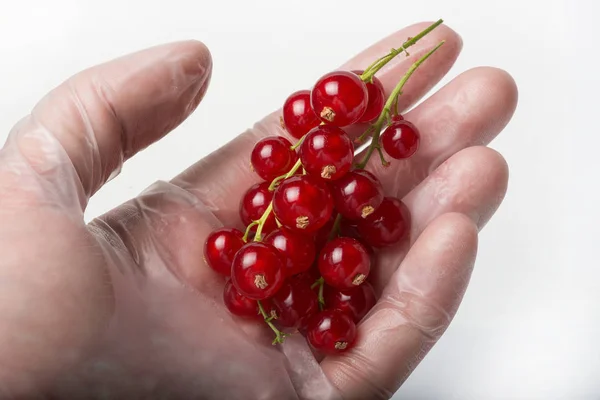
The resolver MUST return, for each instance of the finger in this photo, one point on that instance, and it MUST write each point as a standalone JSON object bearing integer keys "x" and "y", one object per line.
{"x": 221, "y": 179}
{"x": 104, "y": 115}
{"x": 471, "y": 110}
{"x": 472, "y": 182}
{"x": 413, "y": 312}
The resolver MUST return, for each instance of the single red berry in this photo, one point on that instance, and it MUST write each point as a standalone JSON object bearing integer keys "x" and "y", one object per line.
{"x": 357, "y": 194}
{"x": 297, "y": 249}
{"x": 376, "y": 95}
{"x": 238, "y": 304}
{"x": 339, "y": 98}
{"x": 258, "y": 270}
{"x": 400, "y": 139}
{"x": 272, "y": 157}
{"x": 327, "y": 152}
{"x": 298, "y": 115}
{"x": 397, "y": 117}
{"x": 355, "y": 302}
{"x": 331, "y": 332}
{"x": 344, "y": 263}
{"x": 303, "y": 203}
{"x": 295, "y": 303}
{"x": 389, "y": 224}
{"x": 253, "y": 205}
{"x": 220, "y": 248}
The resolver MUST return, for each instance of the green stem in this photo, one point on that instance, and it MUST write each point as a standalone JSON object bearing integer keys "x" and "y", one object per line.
{"x": 321, "y": 298}
{"x": 248, "y": 228}
{"x": 377, "y": 65}
{"x": 279, "y": 336}
{"x": 386, "y": 108}
{"x": 336, "y": 227}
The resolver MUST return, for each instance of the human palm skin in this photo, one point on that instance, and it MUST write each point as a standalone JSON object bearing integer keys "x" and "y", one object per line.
{"x": 124, "y": 307}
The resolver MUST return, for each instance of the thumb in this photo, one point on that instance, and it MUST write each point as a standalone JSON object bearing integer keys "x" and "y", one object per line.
{"x": 79, "y": 135}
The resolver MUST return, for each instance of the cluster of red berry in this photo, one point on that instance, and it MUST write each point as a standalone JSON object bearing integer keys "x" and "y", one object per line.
{"x": 304, "y": 260}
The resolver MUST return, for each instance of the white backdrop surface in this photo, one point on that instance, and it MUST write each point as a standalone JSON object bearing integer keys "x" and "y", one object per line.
{"x": 530, "y": 321}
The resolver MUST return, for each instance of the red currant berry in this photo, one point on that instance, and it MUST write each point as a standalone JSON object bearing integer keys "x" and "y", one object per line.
{"x": 344, "y": 263}
{"x": 400, "y": 139}
{"x": 295, "y": 303}
{"x": 297, "y": 249}
{"x": 327, "y": 152}
{"x": 376, "y": 99}
{"x": 253, "y": 205}
{"x": 303, "y": 203}
{"x": 298, "y": 115}
{"x": 238, "y": 304}
{"x": 258, "y": 270}
{"x": 220, "y": 248}
{"x": 339, "y": 98}
{"x": 357, "y": 194}
{"x": 331, "y": 332}
{"x": 397, "y": 117}
{"x": 272, "y": 157}
{"x": 389, "y": 224}
{"x": 355, "y": 302}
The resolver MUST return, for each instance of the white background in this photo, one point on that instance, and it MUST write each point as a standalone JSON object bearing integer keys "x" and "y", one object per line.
{"x": 530, "y": 322}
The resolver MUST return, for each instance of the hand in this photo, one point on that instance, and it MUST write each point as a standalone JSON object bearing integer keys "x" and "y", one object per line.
{"x": 124, "y": 307}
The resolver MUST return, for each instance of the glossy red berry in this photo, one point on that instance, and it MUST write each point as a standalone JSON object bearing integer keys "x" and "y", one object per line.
{"x": 344, "y": 263}
{"x": 331, "y": 332}
{"x": 295, "y": 303}
{"x": 357, "y": 194}
{"x": 298, "y": 115}
{"x": 238, "y": 304}
{"x": 220, "y": 248}
{"x": 258, "y": 270}
{"x": 272, "y": 157}
{"x": 355, "y": 302}
{"x": 339, "y": 98}
{"x": 327, "y": 152}
{"x": 389, "y": 224}
{"x": 253, "y": 205}
{"x": 400, "y": 139}
{"x": 376, "y": 95}
{"x": 303, "y": 203}
{"x": 297, "y": 249}
{"x": 397, "y": 117}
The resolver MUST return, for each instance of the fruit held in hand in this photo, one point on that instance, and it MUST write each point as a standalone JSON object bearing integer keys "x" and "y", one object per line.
{"x": 258, "y": 270}
{"x": 339, "y": 98}
{"x": 331, "y": 332}
{"x": 401, "y": 139}
{"x": 220, "y": 248}
{"x": 327, "y": 152}
{"x": 298, "y": 116}
{"x": 388, "y": 225}
{"x": 254, "y": 204}
{"x": 303, "y": 203}
{"x": 355, "y": 302}
{"x": 357, "y": 194}
{"x": 317, "y": 216}
{"x": 295, "y": 303}
{"x": 272, "y": 157}
{"x": 376, "y": 95}
{"x": 344, "y": 263}
{"x": 297, "y": 249}
{"x": 239, "y": 304}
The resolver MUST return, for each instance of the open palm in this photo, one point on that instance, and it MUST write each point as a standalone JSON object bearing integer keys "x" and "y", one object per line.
{"x": 124, "y": 307}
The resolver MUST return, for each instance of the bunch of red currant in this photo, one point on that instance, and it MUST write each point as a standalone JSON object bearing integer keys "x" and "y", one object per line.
{"x": 304, "y": 260}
